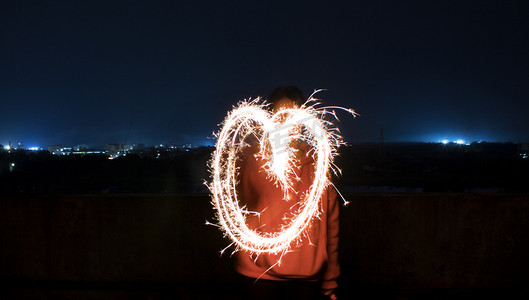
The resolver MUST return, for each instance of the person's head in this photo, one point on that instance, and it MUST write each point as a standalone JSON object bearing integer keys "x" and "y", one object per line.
{"x": 286, "y": 97}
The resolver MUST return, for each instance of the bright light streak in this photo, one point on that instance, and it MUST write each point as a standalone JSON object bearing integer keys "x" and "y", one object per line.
{"x": 444, "y": 142}
{"x": 460, "y": 142}
{"x": 274, "y": 133}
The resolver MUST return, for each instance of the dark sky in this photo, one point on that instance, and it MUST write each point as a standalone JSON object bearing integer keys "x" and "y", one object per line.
{"x": 88, "y": 72}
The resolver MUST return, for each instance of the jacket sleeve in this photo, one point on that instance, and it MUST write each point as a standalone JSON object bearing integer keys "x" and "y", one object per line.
{"x": 333, "y": 226}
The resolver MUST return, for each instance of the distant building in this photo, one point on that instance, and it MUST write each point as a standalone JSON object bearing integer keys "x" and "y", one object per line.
{"x": 112, "y": 148}
{"x": 126, "y": 147}
{"x": 80, "y": 147}
{"x": 116, "y": 150}
{"x": 59, "y": 150}
{"x": 55, "y": 149}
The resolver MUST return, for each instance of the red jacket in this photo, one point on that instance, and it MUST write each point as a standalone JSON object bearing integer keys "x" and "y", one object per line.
{"x": 315, "y": 256}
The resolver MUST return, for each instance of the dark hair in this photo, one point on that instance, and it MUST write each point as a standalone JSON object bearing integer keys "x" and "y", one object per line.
{"x": 290, "y": 92}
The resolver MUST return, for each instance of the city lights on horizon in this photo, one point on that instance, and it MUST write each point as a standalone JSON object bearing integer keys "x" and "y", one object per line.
{"x": 458, "y": 139}
{"x": 457, "y": 142}
{"x": 20, "y": 146}
{"x": 445, "y": 139}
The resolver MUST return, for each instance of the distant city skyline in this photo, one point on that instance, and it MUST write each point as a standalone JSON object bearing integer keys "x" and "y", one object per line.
{"x": 35, "y": 146}
{"x": 446, "y": 139}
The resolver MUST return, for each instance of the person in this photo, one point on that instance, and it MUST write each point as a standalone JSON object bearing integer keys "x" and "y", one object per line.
{"x": 309, "y": 270}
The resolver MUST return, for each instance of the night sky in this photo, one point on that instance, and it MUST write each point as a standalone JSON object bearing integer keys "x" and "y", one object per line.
{"x": 88, "y": 72}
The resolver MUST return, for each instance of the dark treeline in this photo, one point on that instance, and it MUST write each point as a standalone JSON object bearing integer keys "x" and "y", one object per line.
{"x": 435, "y": 167}
{"x": 41, "y": 172}
{"x": 425, "y": 166}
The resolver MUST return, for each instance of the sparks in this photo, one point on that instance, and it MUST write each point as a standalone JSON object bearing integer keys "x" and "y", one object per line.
{"x": 274, "y": 133}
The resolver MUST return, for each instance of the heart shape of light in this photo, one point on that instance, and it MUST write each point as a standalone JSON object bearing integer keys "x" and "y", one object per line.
{"x": 274, "y": 131}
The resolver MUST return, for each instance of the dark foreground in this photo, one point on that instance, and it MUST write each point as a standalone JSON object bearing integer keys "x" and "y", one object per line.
{"x": 66, "y": 290}
{"x": 393, "y": 246}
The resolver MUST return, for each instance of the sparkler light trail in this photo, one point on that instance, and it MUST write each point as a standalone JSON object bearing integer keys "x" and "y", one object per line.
{"x": 274, "y": 133}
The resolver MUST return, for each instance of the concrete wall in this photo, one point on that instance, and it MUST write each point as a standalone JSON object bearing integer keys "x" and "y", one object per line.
{"x": 436, "y": 241}
{"x": 107, "y": 238}
{"x": 408, "y": 242}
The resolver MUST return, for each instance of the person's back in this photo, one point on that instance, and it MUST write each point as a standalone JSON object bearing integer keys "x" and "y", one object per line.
{"x": 313, "y": 259}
